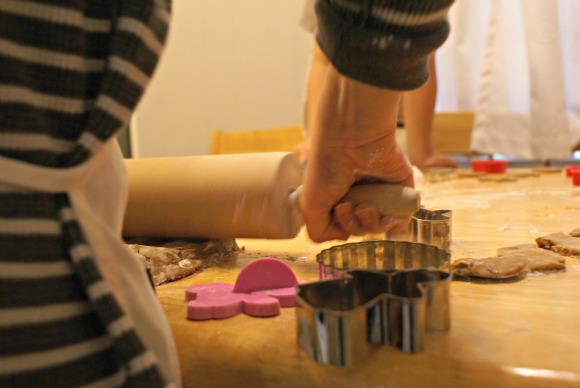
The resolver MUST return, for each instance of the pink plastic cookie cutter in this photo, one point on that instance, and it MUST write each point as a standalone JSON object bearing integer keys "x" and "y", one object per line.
{"x": 262, "y": 288}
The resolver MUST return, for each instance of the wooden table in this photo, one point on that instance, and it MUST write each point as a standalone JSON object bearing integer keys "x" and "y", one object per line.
{"x": 513, "y": 333}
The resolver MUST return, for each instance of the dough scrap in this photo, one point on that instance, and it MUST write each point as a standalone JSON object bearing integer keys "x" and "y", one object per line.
{"x": 575, "y": 233}
{"x": 536, "y": 259}
{"x": 561, "y": 243}
{"x": 510, "y": 262}
{"x": 170, "y": 260}
{"x": 488, "y": 267}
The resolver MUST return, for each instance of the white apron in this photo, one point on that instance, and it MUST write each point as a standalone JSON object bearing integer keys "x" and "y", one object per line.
{"x": 98, "y": 193}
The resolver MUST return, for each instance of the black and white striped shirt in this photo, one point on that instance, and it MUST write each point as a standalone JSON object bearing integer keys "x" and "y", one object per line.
{"x": 71, "y": 73}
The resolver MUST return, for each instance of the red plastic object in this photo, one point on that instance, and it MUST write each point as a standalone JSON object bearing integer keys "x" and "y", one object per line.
{"x": 489, "y": 166}
{"x": 576, "y": 178}
{"x": 571, "y": 169}
{"x": 262, "y": 288}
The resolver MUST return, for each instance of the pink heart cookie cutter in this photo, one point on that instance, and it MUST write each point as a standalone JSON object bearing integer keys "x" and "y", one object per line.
{"x": 261, "y": 289}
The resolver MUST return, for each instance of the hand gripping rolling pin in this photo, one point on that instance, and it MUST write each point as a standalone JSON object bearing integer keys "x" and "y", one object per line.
{"x": 237, "y": 195}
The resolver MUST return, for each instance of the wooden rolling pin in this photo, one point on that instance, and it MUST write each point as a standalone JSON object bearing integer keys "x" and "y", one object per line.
{"x": 237, "y": 195}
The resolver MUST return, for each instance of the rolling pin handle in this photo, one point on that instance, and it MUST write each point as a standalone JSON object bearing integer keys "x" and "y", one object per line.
{"x": 389, "y": 199}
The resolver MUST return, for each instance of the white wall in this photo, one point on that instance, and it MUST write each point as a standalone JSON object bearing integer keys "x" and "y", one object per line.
{"x": 228, "y": 64}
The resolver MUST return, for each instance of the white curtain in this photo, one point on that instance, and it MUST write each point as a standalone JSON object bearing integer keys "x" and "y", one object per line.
{"x": 516, "y": 63}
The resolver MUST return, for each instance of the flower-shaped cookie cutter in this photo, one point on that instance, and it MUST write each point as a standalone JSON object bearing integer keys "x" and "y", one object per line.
{"x": 431, "y": 227}
{"x": 397, "y": 294}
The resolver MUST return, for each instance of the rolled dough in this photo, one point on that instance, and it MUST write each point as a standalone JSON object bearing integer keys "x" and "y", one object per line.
{"x": 170, "y": 260}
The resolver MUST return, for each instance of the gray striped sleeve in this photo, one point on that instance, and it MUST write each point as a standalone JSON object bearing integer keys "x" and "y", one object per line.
{"x": 385, "y": 43}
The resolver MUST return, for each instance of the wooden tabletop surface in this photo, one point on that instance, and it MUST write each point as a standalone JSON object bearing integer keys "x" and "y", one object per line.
{"x": 512, "y": 333}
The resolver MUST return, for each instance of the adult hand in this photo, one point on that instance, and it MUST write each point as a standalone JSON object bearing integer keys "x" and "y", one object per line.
{"x": 353, "y": 142}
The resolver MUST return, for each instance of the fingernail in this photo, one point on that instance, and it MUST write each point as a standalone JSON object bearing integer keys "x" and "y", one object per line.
{"x": 387, "y": 222}
{"x": 364, "y": 213}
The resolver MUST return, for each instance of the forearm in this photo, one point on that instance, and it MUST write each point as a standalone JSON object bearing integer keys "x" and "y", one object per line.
{"x": 317, "y": 73}
{"x": 419, "y": 112}
{"x": 353, "y": 111}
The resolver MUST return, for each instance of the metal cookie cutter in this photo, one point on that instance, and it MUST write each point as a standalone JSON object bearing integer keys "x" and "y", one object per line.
{"x": 341, "y": 321}
{"x": 431, "y": 227}
{"x": 379, "y": 255}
